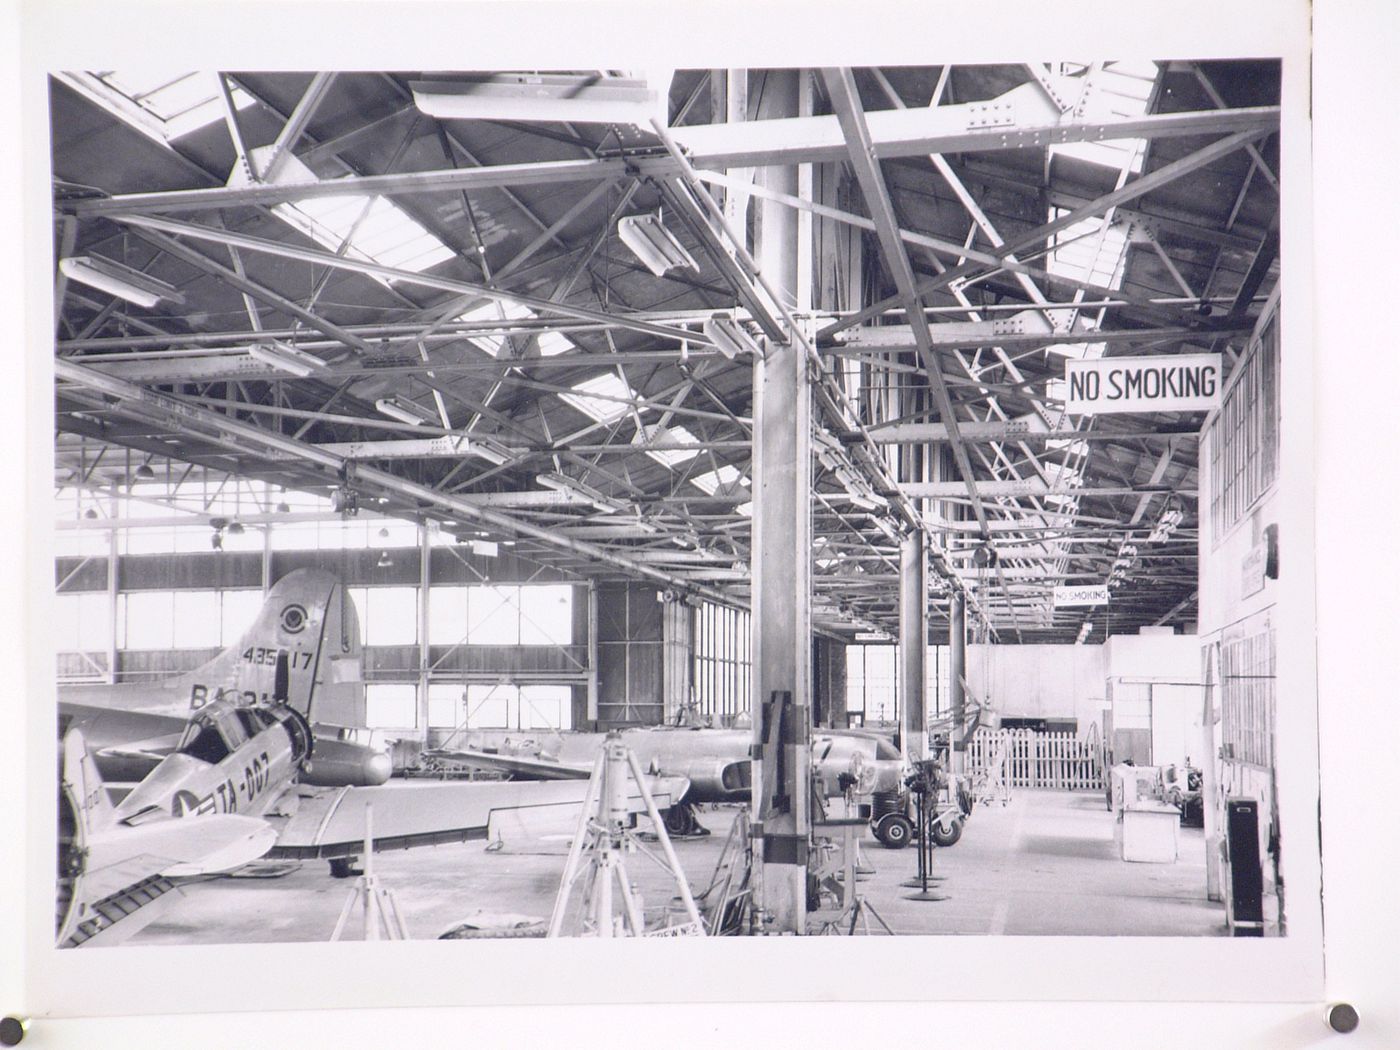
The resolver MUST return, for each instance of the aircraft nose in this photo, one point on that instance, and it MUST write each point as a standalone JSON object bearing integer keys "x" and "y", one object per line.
{"x": 378, "y": 767}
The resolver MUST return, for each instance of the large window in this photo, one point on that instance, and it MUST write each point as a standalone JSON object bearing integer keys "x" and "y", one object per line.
{"x": 183, "y": 619}
{"x": 388, "y": 615}
{"x": 1244, "y": 435}
{"x": 1247, "y": 698}
{"x": 722, "y": 660}
{"x": 501, "y": 705}
{"x": 82, "y": 622}
{"x": 447, "y": 706}
{"x": 344, "y": 534}
{"x": 533, "y": 614}
{"x": 391, "y": 705}
{"x": 872, "y": 681}
{"x": 240, "y": 609}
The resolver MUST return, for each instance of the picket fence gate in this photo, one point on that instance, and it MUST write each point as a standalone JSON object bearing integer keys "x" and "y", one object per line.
{"x": 1038, "y": 760}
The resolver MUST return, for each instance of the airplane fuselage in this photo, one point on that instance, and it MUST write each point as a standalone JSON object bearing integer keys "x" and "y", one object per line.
{"x": 233, "y": 759}
{"x": 717, "y": 762}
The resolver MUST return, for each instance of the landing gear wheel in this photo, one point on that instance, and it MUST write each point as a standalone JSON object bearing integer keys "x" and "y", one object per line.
{"x": 894, "y": 830}
{"x": 680, "y": 820}
{"x": 945, "y": 834}
{"x": 344, "y": 868}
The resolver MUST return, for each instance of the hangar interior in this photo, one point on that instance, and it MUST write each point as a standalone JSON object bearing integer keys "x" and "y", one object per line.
{"x": 735, "y": 400}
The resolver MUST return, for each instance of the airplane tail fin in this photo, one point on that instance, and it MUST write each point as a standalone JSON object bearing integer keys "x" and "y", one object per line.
{"x": 304, "y": 649}
{"x": 109, "y": 870}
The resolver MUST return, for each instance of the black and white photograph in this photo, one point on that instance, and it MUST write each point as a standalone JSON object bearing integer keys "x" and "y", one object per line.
{"x": 728, "y": 502}
{"x": 848, "y": 522}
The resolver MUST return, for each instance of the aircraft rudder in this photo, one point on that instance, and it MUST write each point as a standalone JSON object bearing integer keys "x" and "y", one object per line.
{"x": 278, "y": 658}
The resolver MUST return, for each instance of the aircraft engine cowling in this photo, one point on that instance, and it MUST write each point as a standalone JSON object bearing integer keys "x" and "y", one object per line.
{"x": 343, "y": 763}
{"x": 713, "y": 779}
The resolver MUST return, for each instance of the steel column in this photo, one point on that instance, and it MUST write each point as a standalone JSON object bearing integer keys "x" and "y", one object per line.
{"x": 913, "y": 644}
{"x": 425, "y": 579}
{"x": 591, "y": 712}
{"x": 781, "y": 585}
{"x": 957, "y": 671}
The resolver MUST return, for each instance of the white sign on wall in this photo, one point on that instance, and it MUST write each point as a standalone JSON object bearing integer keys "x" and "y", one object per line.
{"x": 1179, "y": 383}
{"x": 1067, "y": 597}
{"x": 1253, "y": 568}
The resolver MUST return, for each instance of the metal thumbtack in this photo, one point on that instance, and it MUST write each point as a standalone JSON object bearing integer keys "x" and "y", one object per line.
{"x": 1342, "y": 1017}
{"x": 12, "y": 1030}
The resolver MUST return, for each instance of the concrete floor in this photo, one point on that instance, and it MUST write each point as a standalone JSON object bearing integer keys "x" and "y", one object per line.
{"x": 1045, "y": 864}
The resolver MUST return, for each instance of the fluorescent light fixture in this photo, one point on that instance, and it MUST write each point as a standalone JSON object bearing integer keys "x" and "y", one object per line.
{"x": 654, "y": 245}
{"x": 287, "y": 358}
{"x": 884, "y": 526}
{"x": 557, "y": 482}
{"x": 866, "y": 502}
{"x": 553, "y": 97}
{"x": 729, "y": 337}
{"x": 489, "y": 449}
{"x": 485, "y": 548}
{"x": 568, "y": 485}
{"x": 116, "y": 279}
{"x": 403, "y": 410}
{"x": 831, "y": 455}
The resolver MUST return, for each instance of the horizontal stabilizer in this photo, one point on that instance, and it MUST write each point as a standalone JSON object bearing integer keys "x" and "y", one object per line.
{"x": 122, "y": 855}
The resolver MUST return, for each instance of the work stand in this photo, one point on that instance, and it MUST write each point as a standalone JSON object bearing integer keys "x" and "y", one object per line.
{"x": 382, "y": 920}
{"x": 596, "y": 856}
{"x": 855, "y": 911}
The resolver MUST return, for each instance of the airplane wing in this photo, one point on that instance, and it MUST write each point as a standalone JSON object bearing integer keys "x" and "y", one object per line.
{"x": 520, "y": 767}
{"x": 110, "y": 870}
{"x": 422, "y": 813}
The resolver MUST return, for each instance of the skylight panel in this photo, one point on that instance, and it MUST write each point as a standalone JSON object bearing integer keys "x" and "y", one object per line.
{"x": 1085, "y": 252}
{"x": 494, "y": 311}
{"x": 677, "y": 435}
{"x": 726, "y": 477}
{"x": 1090, "y": 253}
{"x": 551, "y": 343}
{"x": 377, "y": 230}
{"x": 386, "y": 234}
{"x": 1059, "y": 476}
{"x": 160, "y": 104}
{"x": 612, "y": 405}
{"x": 1072, "y": 447}
{"x": 1115, "y": 91}
{"x": 548, "y": 343}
